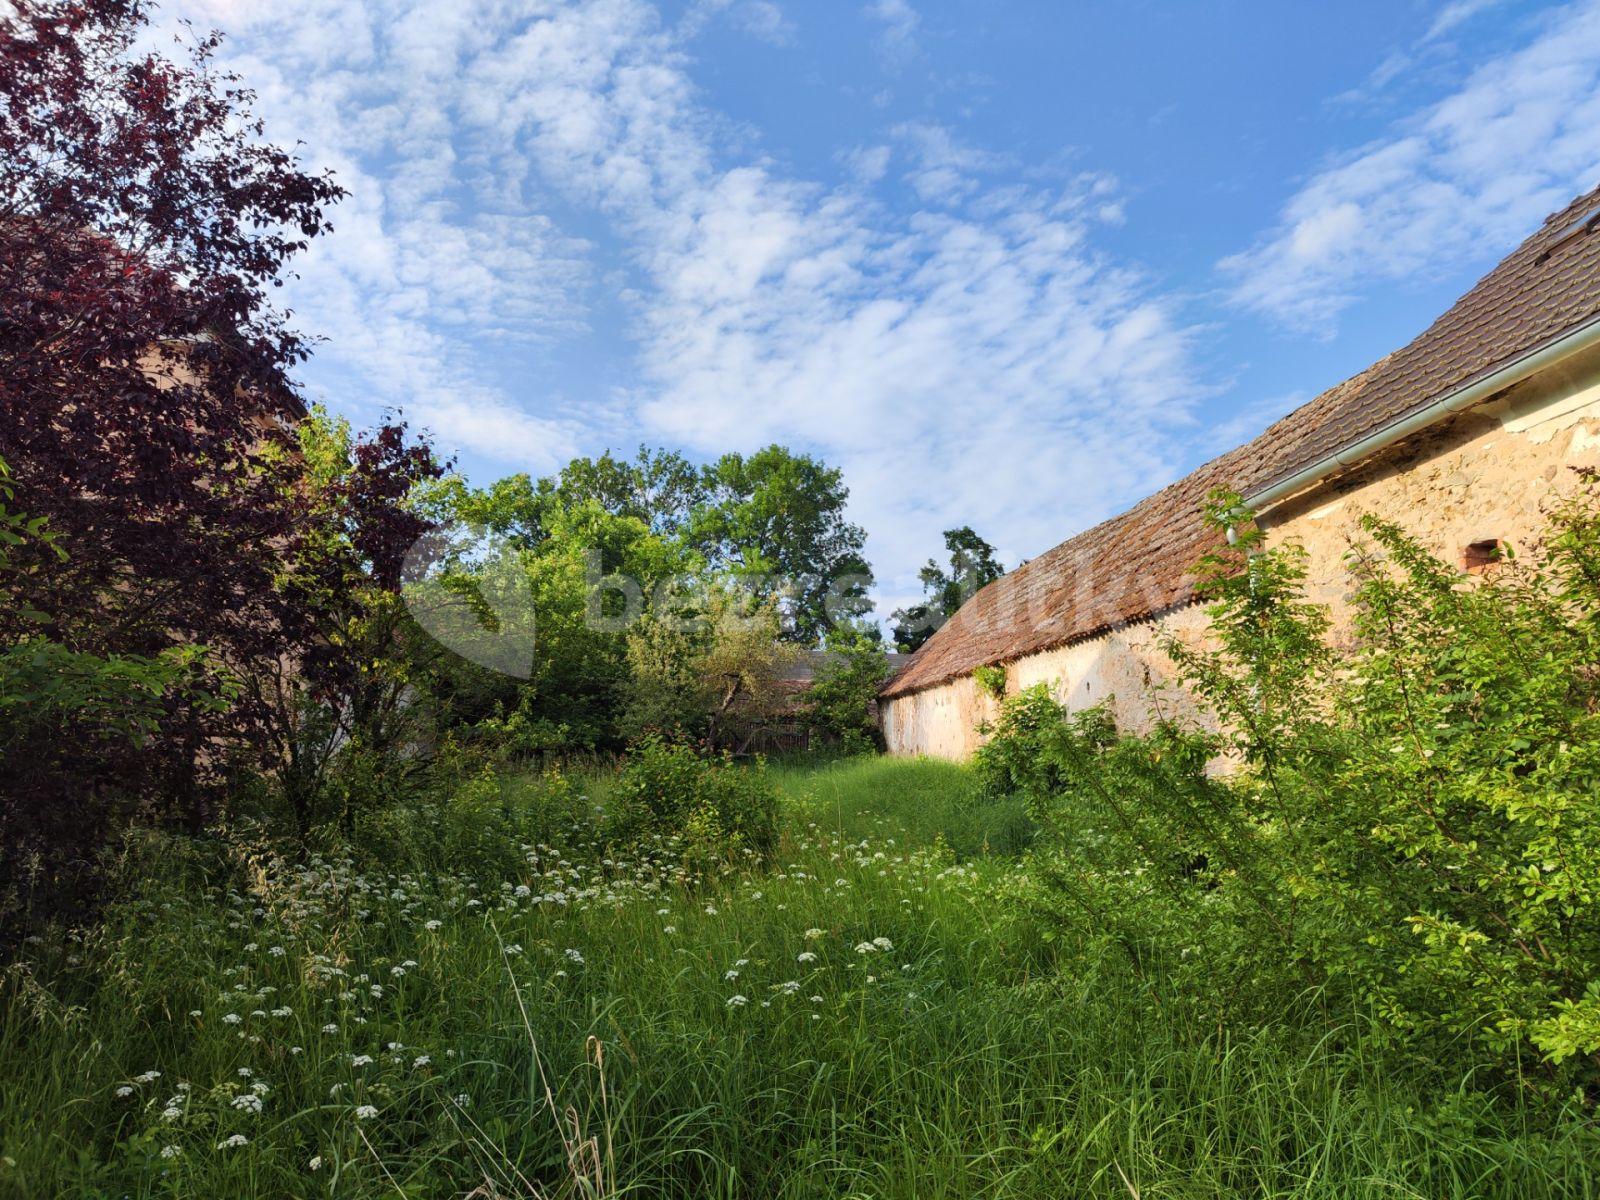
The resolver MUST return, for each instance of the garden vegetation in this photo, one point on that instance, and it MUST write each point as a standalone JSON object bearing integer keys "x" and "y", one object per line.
{"x": 296, "y": 901}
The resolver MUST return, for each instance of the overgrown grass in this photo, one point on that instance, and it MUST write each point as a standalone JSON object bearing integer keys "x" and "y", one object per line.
{"x": 540, "y": 1017}
{"x": 920, "y": 800}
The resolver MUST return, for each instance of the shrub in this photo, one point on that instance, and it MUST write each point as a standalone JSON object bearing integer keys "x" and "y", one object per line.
{"x": 722, "y": 811}
{"x": 991, "y": 680}
{"x": 841, "y": 700}
{"x": 484, "y": 819}
{"x": 75, "y": 734}
{"x": 1412, "y": 828}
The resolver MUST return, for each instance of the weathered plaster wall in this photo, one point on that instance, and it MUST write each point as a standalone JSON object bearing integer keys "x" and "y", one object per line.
{"x": 1490, "y": 473}
{"x": 1125, "y": 668}
{"x": 940, "y": 721}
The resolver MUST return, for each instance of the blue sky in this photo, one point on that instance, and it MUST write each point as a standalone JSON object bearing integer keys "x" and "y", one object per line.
{"x": 1011, "y": 263}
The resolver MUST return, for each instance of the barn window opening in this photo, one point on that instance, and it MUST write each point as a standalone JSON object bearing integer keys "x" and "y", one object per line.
{"x": 1478, "y": 556}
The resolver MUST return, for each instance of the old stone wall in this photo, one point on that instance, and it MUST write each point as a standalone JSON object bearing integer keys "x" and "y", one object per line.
{"x": 1125, "y": 668}
{"x": 1488, "y": 475}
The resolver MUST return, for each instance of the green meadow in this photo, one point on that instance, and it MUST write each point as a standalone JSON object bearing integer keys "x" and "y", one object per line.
{"x": 479, "y": 999}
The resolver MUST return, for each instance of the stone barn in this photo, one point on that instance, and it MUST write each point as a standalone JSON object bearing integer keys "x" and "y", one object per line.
{"x": 1462, "y": 436}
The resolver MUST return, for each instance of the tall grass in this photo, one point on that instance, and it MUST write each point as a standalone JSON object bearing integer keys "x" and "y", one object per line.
{"x": 920, "y": 800}
{"x": 525, "y": 1014}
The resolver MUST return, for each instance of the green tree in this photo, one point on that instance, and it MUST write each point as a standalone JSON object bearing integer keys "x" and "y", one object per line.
{"x": 714, "y": 675}
{"x": 776, "y": 521}
{"x": 355, "y": 692}
{"x": 972, "y": 566}
{"x": 659, "y": 487}
{"x": 583, "y": 566}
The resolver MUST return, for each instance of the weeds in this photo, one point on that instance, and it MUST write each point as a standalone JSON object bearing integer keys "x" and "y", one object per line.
{"x": 866, "y": 1017}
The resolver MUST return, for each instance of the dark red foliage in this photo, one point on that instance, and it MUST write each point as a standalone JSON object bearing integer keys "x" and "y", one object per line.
{"x": 144, "y": 392}
{"x": 141, "y": 367}
{"x": 386, "y": 466}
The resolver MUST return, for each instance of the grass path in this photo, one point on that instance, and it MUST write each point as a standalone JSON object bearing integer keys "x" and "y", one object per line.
{"x": 499, "y": 1004}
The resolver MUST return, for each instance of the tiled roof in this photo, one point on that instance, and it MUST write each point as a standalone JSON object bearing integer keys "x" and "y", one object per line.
{"x": 1137, "y": 565}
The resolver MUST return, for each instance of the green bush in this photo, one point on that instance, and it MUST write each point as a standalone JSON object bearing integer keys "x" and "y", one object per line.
{"x": 841, "y": 700}
{"x": 991, "y": 680}
{"x": 486, "y": 819}
{"x": 1413, "y": 828}
{"x": 722, "y": 812}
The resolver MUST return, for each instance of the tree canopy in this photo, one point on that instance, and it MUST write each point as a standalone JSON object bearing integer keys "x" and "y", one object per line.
{"x": 972, "y": 564}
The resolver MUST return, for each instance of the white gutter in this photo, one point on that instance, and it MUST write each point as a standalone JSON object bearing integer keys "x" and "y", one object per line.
{"x": 1515, "y": 371}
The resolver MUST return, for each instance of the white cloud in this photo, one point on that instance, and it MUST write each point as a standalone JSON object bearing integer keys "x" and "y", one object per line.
{"x": 1459, "y": 183}
{"x": 1453, "y": 14}
{"x": 1434, "y": 48}
{"x": 761, "y": 19}
{"x": 977, "y": 364}
{"x": 867, "y": 164}
{"x": 897, "y": 42}
{"x": 945, "y": 167}
{"x": 431, "y": 259}
{"x": 976, "y": 361}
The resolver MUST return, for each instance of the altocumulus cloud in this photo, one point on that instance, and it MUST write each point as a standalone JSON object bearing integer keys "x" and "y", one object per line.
{"x": 969, "y": 357}
{"x": 1467, "y": 177}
